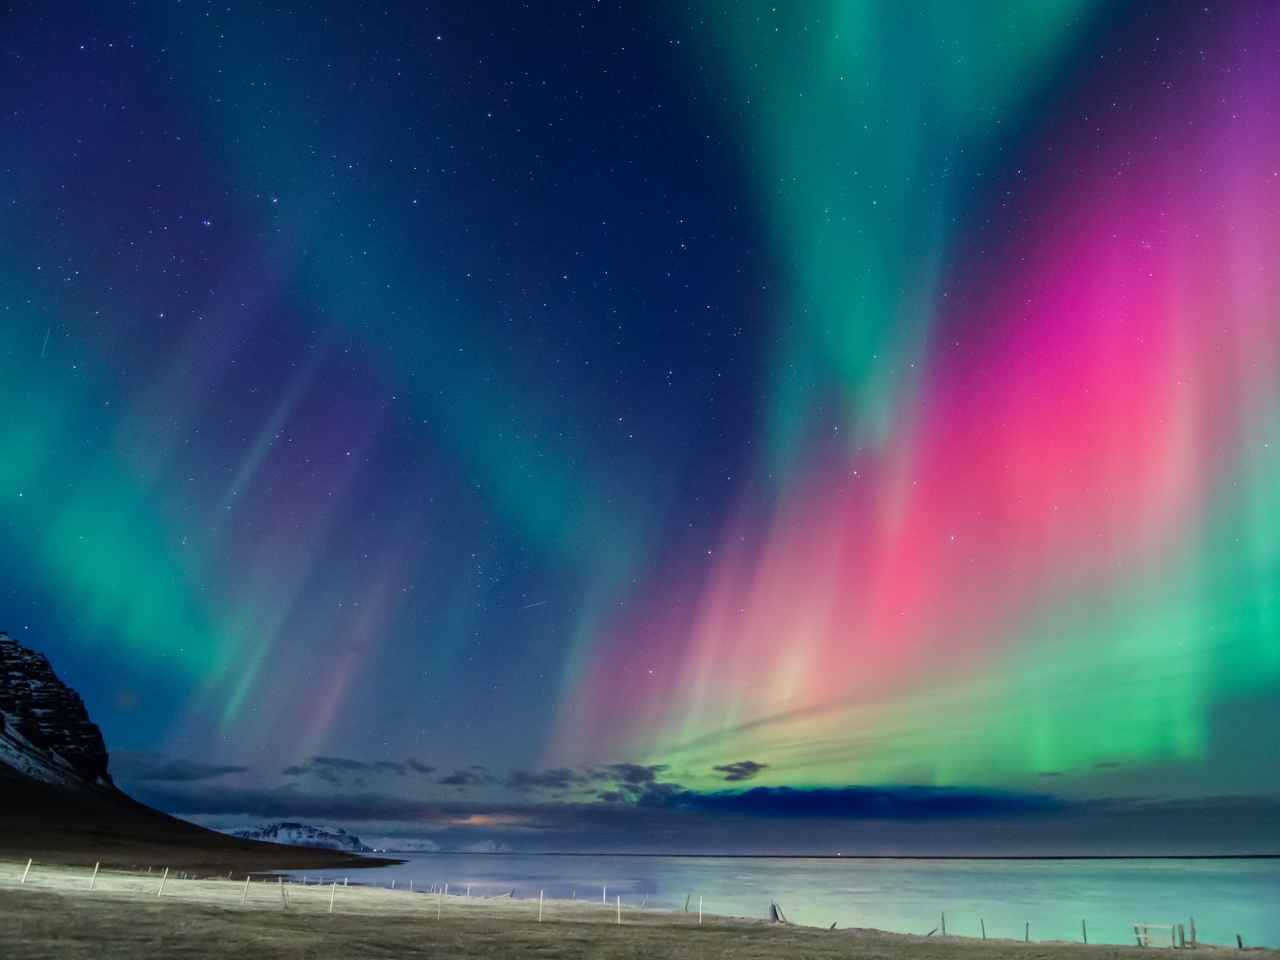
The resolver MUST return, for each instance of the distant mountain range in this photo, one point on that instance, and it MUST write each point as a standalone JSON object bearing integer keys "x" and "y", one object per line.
{"x": 303, "y": 835}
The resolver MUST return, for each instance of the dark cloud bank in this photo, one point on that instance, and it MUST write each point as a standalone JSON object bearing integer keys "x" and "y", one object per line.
{"x": 629, "y": 808}
{"x": 911, "y": 822}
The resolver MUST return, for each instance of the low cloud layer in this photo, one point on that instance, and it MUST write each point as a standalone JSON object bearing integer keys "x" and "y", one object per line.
{"x": 863, "y": 802}
{"x": 143, "y": 766}
{"x": 475, "y": 776}
{"x": 854, "y": 821}
{"x": 340, "y": 770}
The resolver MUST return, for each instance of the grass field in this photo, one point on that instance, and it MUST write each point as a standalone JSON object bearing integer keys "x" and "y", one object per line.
{"x": 55, "y": 914}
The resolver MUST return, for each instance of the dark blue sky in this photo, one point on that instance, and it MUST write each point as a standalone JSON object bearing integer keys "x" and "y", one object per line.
{"x": 611, "y": 403}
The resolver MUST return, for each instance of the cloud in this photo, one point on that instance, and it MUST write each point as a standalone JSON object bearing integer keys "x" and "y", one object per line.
{"x": 859, "y": 802}
{"x": 338, "y": 770}
{"x": 618, "y": 782}
{"x": 742, "y": 770}
{"x": 146, "y": 766}
{"x": 473, "y": 776}
{"x": 559, "y": 779}
{"x": 629, "y": 773}
{"x": 857, "y": 821}
{"x": 286, "y": 803}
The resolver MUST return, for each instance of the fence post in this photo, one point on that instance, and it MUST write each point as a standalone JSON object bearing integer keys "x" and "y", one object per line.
{"x": 160, "y": 892}
{"x": 94, "y": 878}
{"x": 333, "y": 893}
{"x": 245, "y": 895}
{"x": 28, "y": 870}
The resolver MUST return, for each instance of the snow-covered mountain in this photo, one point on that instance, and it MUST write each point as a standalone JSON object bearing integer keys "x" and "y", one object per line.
{"x": 303, "y": 835}
{"x": 404, "y": 845}
{"x": 45, "y": 731}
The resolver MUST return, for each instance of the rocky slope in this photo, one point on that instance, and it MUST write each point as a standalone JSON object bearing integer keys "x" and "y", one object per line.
{"x": 59, "y": 805}
{"x": 45, "y": 731}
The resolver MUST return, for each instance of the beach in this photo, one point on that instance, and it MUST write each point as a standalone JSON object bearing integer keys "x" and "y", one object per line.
{"x": 55, "y": 913}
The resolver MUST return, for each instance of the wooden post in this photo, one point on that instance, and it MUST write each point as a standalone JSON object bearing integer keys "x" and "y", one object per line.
{"x": 540, "y": 892}
{"x": 983, "y": 924}
{"x": 1193, "y": 933}
{"x": 1084, "y": 931}
{"x": 333, "y": 893}
{"x": 1026, "y": 934}
{"x": 94, "y": 878}
{"x": 1239, "y": 942}
{"x": 603, "y": 892}
{"x": 393, "y": 884}
{"x": 1182, "y": 937}
{"x": 28, "y": 870}
{"x": 620, "y": 910}
{"x": 686, "y": 902}
{"x": 439, "y": 902}
{"x": 344, "y": 881}
{"x": 446, "y": 889}
{"x": 160, "y": 892}
{"x": 244, "y": 896}
{"x": 411, "y": 886}
{"x": 699, "y": 908}
{"x": 944, "y": 923}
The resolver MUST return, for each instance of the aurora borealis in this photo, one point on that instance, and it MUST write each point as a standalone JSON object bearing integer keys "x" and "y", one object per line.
{"x": 595, "y": 401}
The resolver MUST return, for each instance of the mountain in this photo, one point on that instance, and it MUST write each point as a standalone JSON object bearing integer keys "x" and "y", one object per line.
{"x": 59, "y": 805}
{"x": 302, "y": 835}
{"x": 45, "y": 730}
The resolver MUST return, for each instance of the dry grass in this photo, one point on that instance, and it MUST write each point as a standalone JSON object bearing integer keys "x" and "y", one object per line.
{"x": 54, "y": 914}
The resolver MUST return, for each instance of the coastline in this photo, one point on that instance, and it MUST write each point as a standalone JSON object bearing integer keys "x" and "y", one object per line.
{"x": 68, "y": 912}
{"x": 77, "y": 828}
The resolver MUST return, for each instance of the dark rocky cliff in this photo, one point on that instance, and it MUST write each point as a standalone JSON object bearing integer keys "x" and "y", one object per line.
{"x": 45, "y": 730}
{"x": 58, "y": 804}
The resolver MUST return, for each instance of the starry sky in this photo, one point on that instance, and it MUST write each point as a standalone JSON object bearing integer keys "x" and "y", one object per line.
{"x": 442, "y": 414}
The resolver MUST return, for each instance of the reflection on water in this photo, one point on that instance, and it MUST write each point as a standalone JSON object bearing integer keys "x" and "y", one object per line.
{"x": 1226, "y": 897}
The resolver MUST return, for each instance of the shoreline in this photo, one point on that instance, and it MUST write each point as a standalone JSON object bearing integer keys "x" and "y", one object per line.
{"x": 69, "y": 912}
{"x": 836, "y": 856}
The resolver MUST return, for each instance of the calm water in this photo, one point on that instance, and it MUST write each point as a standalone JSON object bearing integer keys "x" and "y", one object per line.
{"x": 906, "y": 896}
{"x": 1226, "y": 897}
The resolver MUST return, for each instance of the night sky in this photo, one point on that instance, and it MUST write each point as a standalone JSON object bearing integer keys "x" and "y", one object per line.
{"x": 434, "y": 416}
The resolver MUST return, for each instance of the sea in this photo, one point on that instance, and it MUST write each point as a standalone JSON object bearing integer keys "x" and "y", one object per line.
{"x": 1033, "y": 899}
